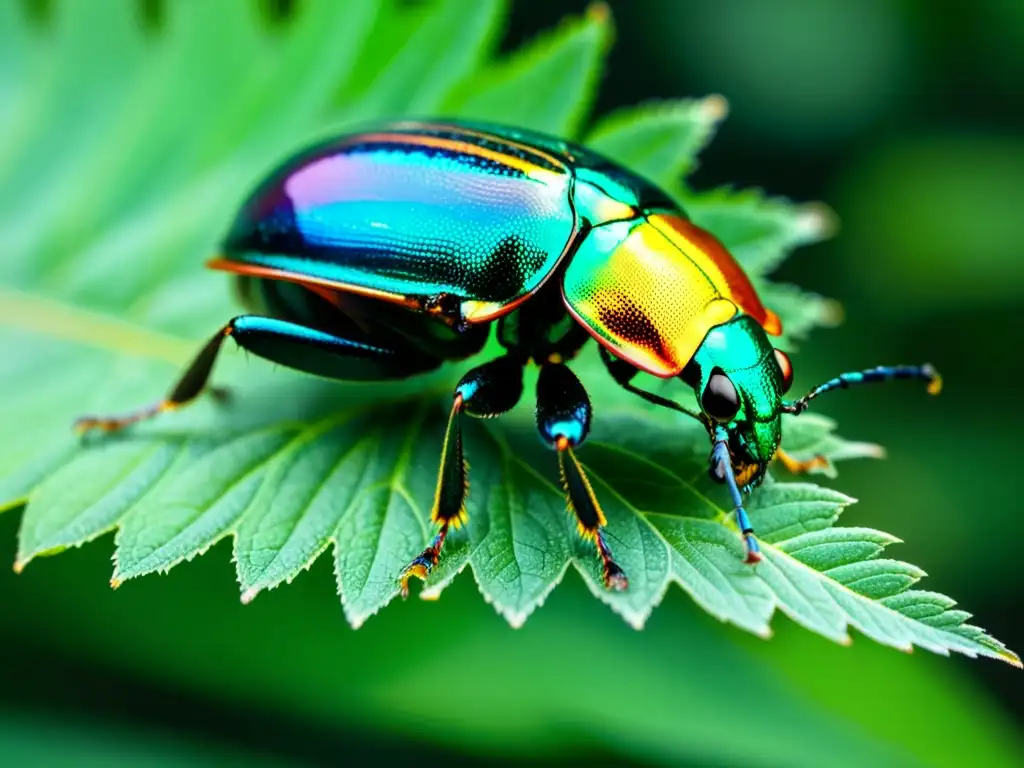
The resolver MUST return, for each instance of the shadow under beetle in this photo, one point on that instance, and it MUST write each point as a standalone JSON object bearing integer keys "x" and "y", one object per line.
{"x": 382, "y": 254}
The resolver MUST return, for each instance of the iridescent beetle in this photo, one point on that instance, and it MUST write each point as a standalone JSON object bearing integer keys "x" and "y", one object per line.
{"x": 382, "y": 254}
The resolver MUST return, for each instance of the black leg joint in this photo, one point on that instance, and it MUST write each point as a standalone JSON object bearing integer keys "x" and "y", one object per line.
{"x": 563, "y": 407}
{"x": 493, "y": 388}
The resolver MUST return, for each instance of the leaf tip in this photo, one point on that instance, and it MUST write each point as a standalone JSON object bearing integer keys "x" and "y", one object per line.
{"x": 1012, "y": 659}
{"x": 816, "y": 221}
{"x": 874, "y": 451}
{"x": 115, "y": 582}
{"x": 714, "y": 108}
{"x": 636, "y": 621}
{"x": 19, "y": 565}
{"x": 598, "y": 12}
{"x": 249, "y": 595}
{"x": 832, "y": 313}
{"x": 515, "y": 619}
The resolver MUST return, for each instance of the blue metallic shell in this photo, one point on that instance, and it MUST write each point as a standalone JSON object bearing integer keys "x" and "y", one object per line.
{"x": 433, "y": 216}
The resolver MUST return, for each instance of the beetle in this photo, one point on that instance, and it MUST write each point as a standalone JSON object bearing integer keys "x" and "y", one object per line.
{"x": 383, "y": 253}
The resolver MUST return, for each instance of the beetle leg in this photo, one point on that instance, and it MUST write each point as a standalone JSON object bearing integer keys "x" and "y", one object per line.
{"x": 290, "y": 344}
{"x": 488, "y": 390}
{"x": 188, "y": 388}
{"x": 722, "y": 468}
{"x": 798, "y": 467}
{"x": 563, "y": 419}
{"x": 623, "y": 373}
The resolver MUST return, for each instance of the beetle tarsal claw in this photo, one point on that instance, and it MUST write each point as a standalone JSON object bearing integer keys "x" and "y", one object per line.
{"x": 419, "y": 568}
{"x": 614, "y": 577}
{"x": 114, "y": 423}
{"x": 424, "y": 563}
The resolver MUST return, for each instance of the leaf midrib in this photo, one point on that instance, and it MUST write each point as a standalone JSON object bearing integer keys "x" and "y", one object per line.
{"x": 42, "y": 315}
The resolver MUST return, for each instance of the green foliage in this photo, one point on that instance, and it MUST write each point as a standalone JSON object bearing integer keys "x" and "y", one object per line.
{"x": 31, "y": 740}
{"x": 945, "y": 197}
{"x": 107, "y": 222}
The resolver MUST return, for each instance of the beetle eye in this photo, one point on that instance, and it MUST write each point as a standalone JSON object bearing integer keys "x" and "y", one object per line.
{"x": 787, "y": 369}
{"x": 720, "y": 400}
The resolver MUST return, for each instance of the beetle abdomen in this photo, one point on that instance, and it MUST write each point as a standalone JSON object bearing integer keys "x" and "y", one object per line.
{"x": 411, "y": 214}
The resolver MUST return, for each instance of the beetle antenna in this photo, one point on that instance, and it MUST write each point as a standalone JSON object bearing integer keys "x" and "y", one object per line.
{"x": 926, "y": 373}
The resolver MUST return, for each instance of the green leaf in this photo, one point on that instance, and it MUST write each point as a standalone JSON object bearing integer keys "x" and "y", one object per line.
{"x": 546, "y": 86}
{"x": 813, "y": 435}
{"x": 385, "y": 527}
{"x": 659, "y": 141}
{"x": 197, "y": 505}
{"x": 760, "y": 231}
{"x": 299, "y": 509}
{"x": 301, "y": 68}
{"x": 291, "y": 467}
{"x": 800, "y": 311}
{"x": 824, "y": 578}
{"x": 425, "y": 66}
{"x": 86, "y": 498}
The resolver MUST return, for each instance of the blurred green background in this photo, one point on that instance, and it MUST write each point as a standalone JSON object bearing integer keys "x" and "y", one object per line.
{"x": 906, "y": 117}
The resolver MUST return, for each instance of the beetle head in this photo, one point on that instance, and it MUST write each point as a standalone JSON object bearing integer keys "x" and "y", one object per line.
{"x": 739, "y": 380}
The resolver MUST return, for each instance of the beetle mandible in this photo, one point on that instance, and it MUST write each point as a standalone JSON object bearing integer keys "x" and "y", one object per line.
{"x": 381, "y": 254}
